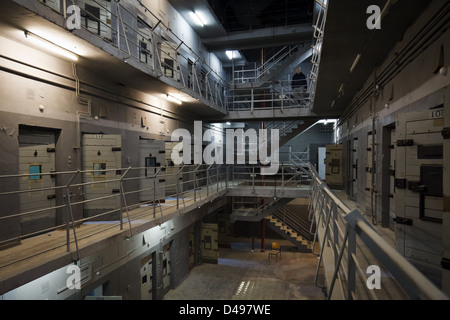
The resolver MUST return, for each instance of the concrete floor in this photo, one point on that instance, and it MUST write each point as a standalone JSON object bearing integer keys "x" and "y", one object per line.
{"x": 245, "y": 275}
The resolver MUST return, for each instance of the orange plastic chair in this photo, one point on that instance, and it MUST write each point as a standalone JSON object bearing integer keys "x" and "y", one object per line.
{"x": 276, "y": 250}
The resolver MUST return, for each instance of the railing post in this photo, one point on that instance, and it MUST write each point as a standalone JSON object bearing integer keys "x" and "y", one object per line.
{"x": 227, "y": 169}
{"x": 322, "y": 247}
{"x": 178, "y": 186}
{"x": 70, "y": 216}
{"x": 207, "y": 180}
{"x": 124, "y": 201}
{"x": 338, "y": 262}
{"x": 253, "y": 178}
{"x": 195, "y": 183}
{"x": 154, "y": 192}
{"x": 217, "y": 177}
{"x": 351, "y": 266}
{"x": 252, "y": 101}
{"x": 334, "y": 213}
{"x": 178, "y": 191}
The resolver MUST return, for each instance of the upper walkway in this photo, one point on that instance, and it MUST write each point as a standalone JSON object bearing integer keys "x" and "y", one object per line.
{"x": 348, "y": 243}
{"x": 64, "y": 229}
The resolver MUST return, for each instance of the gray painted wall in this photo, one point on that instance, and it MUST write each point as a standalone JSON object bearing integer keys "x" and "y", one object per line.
{"x": 415, "y": 87}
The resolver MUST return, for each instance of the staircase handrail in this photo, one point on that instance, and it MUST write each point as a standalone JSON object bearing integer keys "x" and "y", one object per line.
{"x": 263, "y": 69}
{"x": 260, "y": 71}
{"x": 291, "y": 220}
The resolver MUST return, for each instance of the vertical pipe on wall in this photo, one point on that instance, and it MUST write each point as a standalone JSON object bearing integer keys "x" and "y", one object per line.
{"x": 81, "y": 100}
{"x": 373, "y": 185}
{"x": 373, "y": 177}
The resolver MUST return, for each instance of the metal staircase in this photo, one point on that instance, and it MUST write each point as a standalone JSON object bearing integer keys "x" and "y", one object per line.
{"x": 268, "y": 85}
{"x": 272, "y": 69}
{"x": 292, "y": 227}
{"x": 287, "y": 129}
{"x": 244, "y": 213}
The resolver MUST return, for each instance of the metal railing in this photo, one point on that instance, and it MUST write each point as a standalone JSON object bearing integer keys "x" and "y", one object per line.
{"x": 299, "y": 158}
{"x": 348, "y": 244}
{"x": 258, "y": 73}
{"x": 43, "y": 202}
{"x": 284, "y": 127}
{"x": 288, "y": 176}
{"x": 176, "y": 62}
{"x": 270, "y": 95}
{"x": 113, "y": 198}
{"x": 319, "y": 31}
{"x": 136, "y": 37}
{"x": 350, "y": 249}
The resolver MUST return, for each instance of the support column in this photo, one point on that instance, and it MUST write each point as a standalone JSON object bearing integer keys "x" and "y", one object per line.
{"x": 252, "y": 230}
{"x": 263, "y": 233}
{"x": 158, "y": 273}
{"x": 446, "y": 191}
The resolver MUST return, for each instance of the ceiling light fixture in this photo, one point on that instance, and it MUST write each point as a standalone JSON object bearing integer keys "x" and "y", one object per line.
{"x": 358, "y": 57}
{"x": 198, "y": 19}
{"x": 173, "y": 99}
{"x": 229, "y": 54}
{"x": 44, "y": 43}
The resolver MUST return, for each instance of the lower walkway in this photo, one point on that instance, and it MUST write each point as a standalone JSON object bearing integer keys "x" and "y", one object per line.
{"x": 245, "y": 275}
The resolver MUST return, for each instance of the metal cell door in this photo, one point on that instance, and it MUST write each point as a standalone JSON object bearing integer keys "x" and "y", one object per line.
{"x": 354, "y": 175}
{"x": 152, "y": 158}
{"x": 210, "y": 241}
{"x": 147, "y": 278}
{"x": 392, "y": 162}
{"x": 171, "y": 171}
{"x": 101, "y": 155}
{"x": 191, "y": 247}
{"x": 166, "y": 267}
{"x": 334, "y": 177}
{"x": 36, "y": 161}
{"x": 419, "y": 185}
{"x": 170, "y": 60}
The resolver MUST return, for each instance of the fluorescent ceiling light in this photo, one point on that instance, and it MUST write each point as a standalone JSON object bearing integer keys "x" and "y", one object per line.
{"x": 229, "y": 123}
{"x": 43, "y": 43}
{"x": 173, "y": 99}
{"x": 198, "y": 17}
{"x": 233, "y": 54}
{"x": 358, "y": 57}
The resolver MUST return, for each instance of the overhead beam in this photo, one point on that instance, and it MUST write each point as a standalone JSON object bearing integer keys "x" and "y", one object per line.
{"x": 270, "y": 114}
{"x": 260, "y": 38}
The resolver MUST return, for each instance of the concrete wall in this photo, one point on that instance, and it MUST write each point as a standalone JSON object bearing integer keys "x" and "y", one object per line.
{"x": 414, "y": 86}
{"x": 38, "y": 90}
